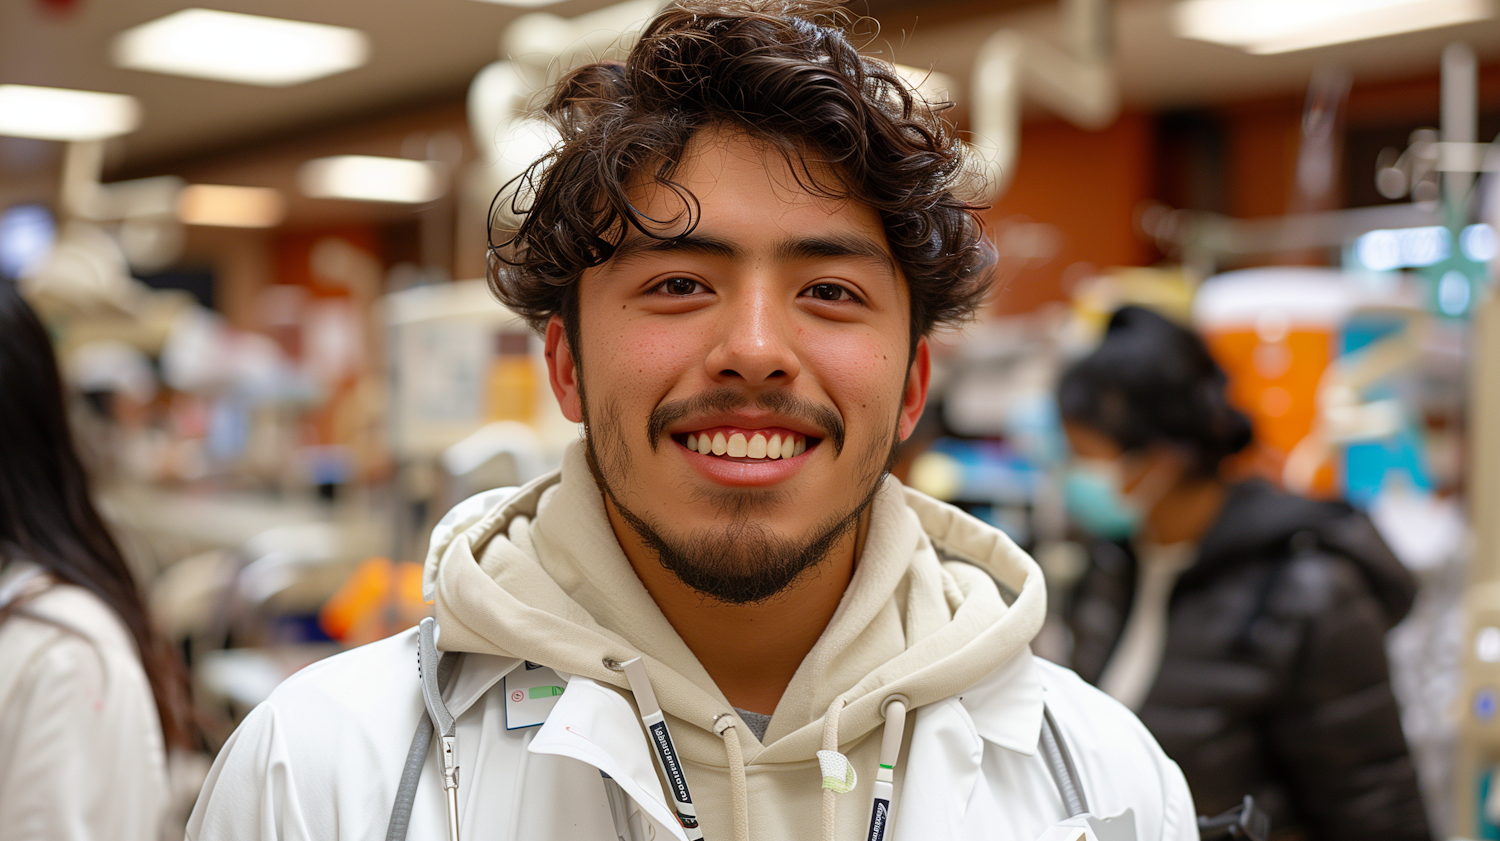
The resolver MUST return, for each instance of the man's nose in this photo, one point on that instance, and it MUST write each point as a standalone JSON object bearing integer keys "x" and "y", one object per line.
{"x": 755, "y": 342}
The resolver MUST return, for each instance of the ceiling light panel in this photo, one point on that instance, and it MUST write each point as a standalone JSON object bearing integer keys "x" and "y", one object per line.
{"x": 62, "y": 114}
{"x": 232, "y": 47}
{"x": 367, "y": 178}
{"x": 1278, "y": 26}
{"x": 230, "y": 207}
{"x": 523, "y": 4}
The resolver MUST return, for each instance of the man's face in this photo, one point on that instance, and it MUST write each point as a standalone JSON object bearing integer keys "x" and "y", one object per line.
{"x": 744, "y": 386}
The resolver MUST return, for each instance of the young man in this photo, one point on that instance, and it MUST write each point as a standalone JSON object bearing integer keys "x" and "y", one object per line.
{"x": 736, "y": 253}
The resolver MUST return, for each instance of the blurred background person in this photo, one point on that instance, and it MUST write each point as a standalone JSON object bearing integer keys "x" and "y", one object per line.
{"x": 1244, "y": 624}
{"x": 90, "y": 695}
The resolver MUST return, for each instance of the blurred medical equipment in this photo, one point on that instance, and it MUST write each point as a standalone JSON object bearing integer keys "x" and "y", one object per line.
{"x": 1476, "y": 796}
{"x": 1245, "y": 822}
{"x": 249, "y": 615}
{"x": 470, "y": 404}
{"x": 1076, "y": 81}
{"x": 540, "y": 46}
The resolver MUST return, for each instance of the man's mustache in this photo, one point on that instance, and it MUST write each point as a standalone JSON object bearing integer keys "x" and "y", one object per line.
{"x": 726, "y": 399}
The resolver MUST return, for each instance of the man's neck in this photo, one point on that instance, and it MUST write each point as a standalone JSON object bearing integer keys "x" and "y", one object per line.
{"x": 751, "y": 651}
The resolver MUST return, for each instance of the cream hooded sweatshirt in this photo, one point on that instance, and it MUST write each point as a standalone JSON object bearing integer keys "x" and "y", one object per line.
{"x": 552, "y": 586}
{"x": 940, "y": 609}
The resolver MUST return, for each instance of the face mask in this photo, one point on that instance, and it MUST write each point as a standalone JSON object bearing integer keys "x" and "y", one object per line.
{"x": 1091, "y": 493}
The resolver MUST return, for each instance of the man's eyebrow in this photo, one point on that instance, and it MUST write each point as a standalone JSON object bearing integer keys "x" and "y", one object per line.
{"x": 800, "y": 248}
{"x": 638, "y": 245}
{"x": 838, "y": 245}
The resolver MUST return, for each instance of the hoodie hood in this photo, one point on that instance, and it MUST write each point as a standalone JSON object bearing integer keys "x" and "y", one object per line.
{"x": 1259, "y": 520}
{"x": 541, "y": 577}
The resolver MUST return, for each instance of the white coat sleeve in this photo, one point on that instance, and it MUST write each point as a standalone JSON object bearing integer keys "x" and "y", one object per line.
{"x": 1179, "y": 816}
{"x": 320, "y": 759}
{"x": 251, "y": 790}
{"x": 83, "y": 752}
{"x": 1119, "y": 761}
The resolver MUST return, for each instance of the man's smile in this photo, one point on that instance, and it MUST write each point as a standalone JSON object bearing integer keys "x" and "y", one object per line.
{"x": 749, "y": 444}
{"x": 737, "y": 456}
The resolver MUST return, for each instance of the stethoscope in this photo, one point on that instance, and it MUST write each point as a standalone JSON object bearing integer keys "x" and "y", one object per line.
{"x": 436, "y": 671}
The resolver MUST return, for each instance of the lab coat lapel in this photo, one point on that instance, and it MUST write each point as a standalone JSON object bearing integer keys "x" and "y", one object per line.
{"x": 596, "y": 726}
{"x": 1006, "y": 705}
{"x": 941, "y": 768}
{"x": 948, "y": 741}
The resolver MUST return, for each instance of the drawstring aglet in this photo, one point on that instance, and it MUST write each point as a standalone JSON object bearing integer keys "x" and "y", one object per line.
{"x": 838, "y": 772}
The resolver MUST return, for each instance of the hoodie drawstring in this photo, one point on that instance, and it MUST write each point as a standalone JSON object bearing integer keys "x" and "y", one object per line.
{"x": 725, "y": 726}
{"x": 838, "y": 773}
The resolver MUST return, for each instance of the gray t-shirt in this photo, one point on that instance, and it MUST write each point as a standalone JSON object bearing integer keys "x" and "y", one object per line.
{"x": 757, "y": 722}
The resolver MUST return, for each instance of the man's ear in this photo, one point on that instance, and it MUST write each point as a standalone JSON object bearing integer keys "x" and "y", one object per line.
{"x": 914, "y": 399}
{"x": 562, "y": 371}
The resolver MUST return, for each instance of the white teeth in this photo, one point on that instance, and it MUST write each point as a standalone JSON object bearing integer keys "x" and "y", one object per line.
{"x": 756, "y": 445}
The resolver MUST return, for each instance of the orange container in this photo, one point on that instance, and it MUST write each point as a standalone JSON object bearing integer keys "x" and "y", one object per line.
{"x": 1272, "y": 330}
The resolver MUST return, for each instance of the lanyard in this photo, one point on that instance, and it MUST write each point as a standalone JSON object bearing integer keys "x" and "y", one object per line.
{"x": 663, "y": 747}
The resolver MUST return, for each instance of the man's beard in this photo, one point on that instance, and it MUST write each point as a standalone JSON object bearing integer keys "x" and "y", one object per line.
{"x": 743, "y": 562}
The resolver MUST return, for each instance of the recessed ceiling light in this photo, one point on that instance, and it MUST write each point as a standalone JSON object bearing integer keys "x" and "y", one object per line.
{"x": 61, "y": 114}
{"x": 367, "y": 178}
{"x": 230, "y": 207}
{"x": 1280, "y": 26}
{"x": 522, "y": 4}
{"x": 233, "y": 47}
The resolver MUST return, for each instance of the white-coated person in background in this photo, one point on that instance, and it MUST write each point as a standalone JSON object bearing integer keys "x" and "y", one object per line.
{"x": 90, "y": 696}
{"x": 721, "y": 618}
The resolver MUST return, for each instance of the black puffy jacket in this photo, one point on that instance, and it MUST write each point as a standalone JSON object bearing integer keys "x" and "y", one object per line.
{"x": 1274, "y": 679}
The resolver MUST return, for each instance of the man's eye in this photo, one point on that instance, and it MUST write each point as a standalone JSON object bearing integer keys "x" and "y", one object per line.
{"x": 830, "y": 292}
{"x": 680, "y": 286}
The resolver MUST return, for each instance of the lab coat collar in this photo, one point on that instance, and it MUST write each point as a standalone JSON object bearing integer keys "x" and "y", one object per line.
{"x": 476, "y": 674}
{"x": 590, "y": 723}
{"x": 596, "y": 725}
{"x": 1006, "y": 705}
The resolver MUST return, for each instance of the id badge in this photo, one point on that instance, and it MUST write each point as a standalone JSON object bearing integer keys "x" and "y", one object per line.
{"x": 530, "y": 695}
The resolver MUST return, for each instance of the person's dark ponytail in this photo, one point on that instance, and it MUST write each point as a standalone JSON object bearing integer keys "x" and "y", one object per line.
{"x": 1225, "y": 430}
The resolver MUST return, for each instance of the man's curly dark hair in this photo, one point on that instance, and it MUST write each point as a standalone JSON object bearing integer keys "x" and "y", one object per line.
{"x": 786, "y": 74}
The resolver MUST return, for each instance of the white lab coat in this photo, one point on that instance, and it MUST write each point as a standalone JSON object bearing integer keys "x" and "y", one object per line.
{"x": 320, "y": 760}
{"x": 81, "y": 753}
